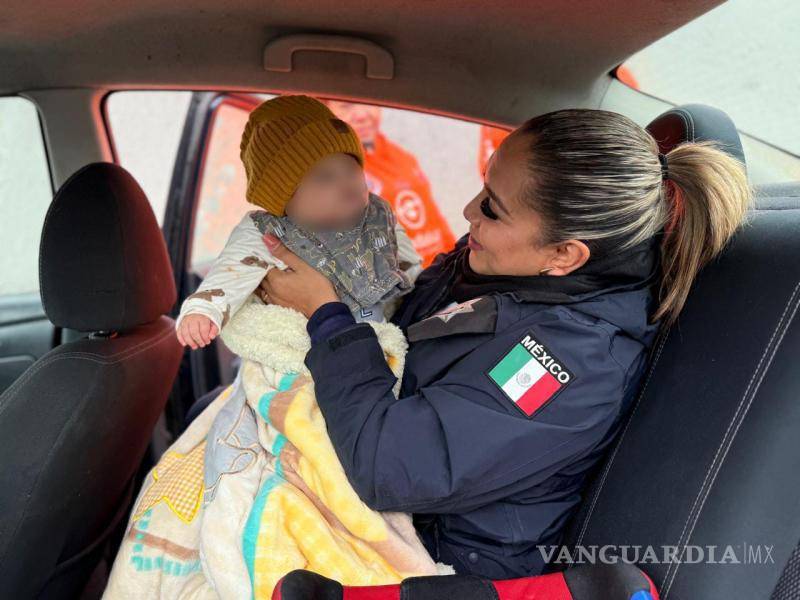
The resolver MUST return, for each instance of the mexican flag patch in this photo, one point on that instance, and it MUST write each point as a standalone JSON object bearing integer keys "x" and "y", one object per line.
{"x": 530, "y": 375}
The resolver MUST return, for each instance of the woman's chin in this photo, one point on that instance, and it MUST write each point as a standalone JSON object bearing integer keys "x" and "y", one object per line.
{"x": 476, "y": 263}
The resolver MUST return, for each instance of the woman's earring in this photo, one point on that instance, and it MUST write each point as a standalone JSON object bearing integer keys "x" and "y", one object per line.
{"x": 543, "y": 271}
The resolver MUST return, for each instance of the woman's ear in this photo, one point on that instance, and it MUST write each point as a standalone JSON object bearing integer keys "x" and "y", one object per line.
{"x": 567, "y": 257}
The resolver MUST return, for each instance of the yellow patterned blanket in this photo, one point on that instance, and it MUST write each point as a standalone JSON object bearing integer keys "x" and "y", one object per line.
{"x": 253, "y": 489}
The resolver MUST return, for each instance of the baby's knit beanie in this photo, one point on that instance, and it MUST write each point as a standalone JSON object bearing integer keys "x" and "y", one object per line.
{"x": 284, "y": 137}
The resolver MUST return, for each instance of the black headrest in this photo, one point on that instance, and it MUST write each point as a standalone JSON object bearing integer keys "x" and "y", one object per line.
{"x": 694, "y": 123}
{"x": 103, "y": 264}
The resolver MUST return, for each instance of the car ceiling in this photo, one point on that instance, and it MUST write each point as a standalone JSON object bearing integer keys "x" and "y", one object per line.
{"x": 495, "y": 61}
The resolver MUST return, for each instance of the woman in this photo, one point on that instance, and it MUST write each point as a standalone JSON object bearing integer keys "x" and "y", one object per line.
{"x": 582, "y": 241}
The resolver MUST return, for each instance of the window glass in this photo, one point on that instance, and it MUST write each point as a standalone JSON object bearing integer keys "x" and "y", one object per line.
{"x": 221, "y": 202}
{"x": 741, "y": 57}
{"x": 146, "y": 128}
{"x": 427, "y": 167}
{"x": 25, "y": 193}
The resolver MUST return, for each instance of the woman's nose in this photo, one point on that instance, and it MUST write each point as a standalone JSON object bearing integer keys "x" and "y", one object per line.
{"x": 470, "y": 210}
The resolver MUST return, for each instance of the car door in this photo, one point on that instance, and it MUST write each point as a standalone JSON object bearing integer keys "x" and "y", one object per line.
{"x": 200, "y": 212}
{"x": 25, "y": 193}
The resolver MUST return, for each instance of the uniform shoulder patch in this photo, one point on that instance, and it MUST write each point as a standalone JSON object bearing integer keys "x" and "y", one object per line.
{"x": 530, "y": 375}
{"x": 478, "y": 315}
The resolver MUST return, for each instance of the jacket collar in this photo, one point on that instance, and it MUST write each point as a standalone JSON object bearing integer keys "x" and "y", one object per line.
{"x": 617, "y": 288}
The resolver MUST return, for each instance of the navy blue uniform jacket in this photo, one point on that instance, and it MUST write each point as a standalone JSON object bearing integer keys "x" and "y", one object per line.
{"x": 487, "y": 482}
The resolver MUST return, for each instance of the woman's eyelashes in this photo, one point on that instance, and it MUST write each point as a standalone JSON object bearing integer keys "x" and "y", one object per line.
{"x": 486, "y": 209}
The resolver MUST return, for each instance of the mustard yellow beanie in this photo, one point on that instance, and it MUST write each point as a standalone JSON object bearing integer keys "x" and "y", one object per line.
{"x": 284, "y": 137}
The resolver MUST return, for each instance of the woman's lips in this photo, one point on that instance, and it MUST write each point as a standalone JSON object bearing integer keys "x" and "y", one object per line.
{"x": 473, "y": 244}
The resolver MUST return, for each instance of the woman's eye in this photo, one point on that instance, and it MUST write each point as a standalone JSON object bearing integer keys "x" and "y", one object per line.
{"x": 487, "y": 210}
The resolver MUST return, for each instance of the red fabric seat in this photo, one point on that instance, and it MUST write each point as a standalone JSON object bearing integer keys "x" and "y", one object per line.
{"x": 586, "y": 582}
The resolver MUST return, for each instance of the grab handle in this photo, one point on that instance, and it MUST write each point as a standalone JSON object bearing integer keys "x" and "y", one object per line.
{"x": 278, "y": 53}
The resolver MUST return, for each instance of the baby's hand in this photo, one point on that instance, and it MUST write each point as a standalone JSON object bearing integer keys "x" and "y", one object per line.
{"x": 196, "y": 331}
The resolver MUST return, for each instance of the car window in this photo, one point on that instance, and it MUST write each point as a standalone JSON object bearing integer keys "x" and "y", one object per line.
{"x": 146, "y": 129}
{"x": 741, "y": 57}
{"x": 26, "y": 191}
{"x": 427, "y": 167}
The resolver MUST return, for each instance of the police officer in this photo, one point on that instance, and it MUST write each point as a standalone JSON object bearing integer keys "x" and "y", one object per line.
{"x": 527, "y": 342}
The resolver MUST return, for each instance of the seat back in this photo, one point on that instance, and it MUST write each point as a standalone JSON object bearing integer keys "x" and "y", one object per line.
{"x": 75, "y": 426}
{"x": 709, "y": 457}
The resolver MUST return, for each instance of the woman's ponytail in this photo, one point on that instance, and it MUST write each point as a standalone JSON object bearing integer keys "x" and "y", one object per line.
{"x": 596, "y": 176}
{"x": 708, "y": 195}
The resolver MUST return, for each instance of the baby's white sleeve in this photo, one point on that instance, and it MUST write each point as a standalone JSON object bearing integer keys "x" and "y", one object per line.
{"x": 234, "y": 275}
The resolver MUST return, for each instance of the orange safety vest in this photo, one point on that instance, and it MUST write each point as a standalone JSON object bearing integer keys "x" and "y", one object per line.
{"x": 394, "y": 174}
{"x": 490, "y": 140}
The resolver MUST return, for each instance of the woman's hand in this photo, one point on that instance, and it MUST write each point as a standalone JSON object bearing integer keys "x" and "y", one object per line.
{"x": 300, "y": 287}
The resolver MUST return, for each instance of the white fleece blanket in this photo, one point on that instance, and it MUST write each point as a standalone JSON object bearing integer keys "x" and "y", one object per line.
{"x": 253, "y": 488}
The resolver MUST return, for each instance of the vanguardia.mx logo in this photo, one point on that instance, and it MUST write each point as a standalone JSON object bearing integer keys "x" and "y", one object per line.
{"x": 732, "y": 554}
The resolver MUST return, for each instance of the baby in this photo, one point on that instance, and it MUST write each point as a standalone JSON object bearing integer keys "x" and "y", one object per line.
{"x": 305, "y": 170}
{"x": 254, "y": 486}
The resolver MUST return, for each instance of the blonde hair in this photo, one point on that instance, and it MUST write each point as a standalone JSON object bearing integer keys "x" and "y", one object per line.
{"x": 595, "y": 176}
